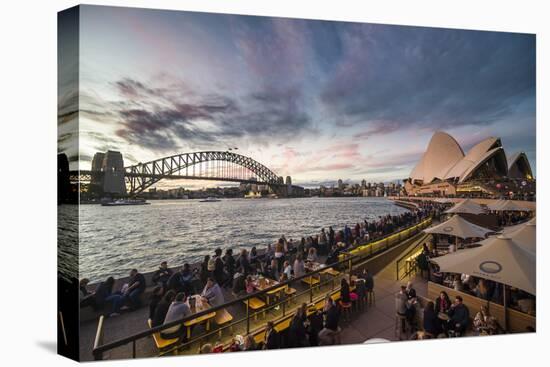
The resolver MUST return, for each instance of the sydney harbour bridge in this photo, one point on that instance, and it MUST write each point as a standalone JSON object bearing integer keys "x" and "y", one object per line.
{"x": 109, "y": 174}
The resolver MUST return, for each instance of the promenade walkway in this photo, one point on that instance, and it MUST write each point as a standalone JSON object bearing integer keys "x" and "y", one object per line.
{"x": 378, "y": 321}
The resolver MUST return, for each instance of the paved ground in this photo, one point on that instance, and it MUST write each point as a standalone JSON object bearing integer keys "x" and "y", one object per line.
{"x": 378, "y": 321}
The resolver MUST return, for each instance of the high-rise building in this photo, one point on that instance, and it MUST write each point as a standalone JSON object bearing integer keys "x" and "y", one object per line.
{"x": 340, "y": 184}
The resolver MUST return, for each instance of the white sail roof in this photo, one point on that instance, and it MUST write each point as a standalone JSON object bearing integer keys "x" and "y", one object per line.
{"x": 443, "y": 152}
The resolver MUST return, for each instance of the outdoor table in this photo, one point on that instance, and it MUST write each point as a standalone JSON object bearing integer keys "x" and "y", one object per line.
{"x": 200, "y": 305}
{"x": 262, "y": 283}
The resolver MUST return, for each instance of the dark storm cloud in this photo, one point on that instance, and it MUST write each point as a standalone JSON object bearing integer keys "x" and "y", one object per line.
{"x": 163, "y": 121}
{"x": 391, "y": 77}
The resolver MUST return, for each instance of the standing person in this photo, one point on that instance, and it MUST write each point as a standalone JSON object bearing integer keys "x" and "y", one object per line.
{"x": 244, "y": 263}
{"x": 330, "y": 334}
{"x": 136, "y": 287}
{"x": 272, "y": 271}
{"x": 322, "y": 241}
{"x": 297, "y": 332}
{"x": 230, "y": 265}
{"x": 331, "y": 237}
{"x": 401, "y": 306}
{"x": 162, "y": 275}
{"x": 205, "y": 272}
{"x": 280, "y": 254}
{"x": 154, "y": 300}
{"x": 299, "y": 266}
{"x": 272, "y": 340}
{"x": 369, "y": 280}
{"x": 219, "y": 274}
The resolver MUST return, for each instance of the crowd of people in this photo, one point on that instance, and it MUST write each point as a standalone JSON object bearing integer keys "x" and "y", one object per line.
{"x": 280, "y": 261}
{"x": 177, "y": 291}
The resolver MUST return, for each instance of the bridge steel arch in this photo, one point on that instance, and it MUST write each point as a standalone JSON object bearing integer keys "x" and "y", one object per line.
{"x": 141, "y": 176}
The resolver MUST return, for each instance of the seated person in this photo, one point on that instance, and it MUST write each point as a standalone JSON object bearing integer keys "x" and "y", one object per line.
{"x": 442, "y": 303}
{"x": 431, "y": 323}
{"x": 136, "y": 287}
{"x": 249, "y": 285}
{"x": 213, "y": 293}
{"x": 484, "y": 322}
{"x": 87, "y": 298}
{"x": 459, "y": 316}
{"x": 238, "y": 283}
{"x": 162, "y": 275}
{"x": 162, "y": 308}
{"x": 178, "y": 310}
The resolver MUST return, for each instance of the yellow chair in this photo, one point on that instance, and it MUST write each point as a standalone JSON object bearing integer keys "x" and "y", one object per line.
{"x": 160, "y": 342}
{"x": 255, "y": 304}
{"x": 223, "y": 317}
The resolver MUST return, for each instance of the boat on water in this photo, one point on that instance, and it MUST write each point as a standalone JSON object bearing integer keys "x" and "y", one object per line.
{"x": 122, "y": 202}
{"x": 210, "y": 199}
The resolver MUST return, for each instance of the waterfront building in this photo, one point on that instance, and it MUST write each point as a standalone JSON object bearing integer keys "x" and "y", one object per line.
{"x": 445, "y": 170}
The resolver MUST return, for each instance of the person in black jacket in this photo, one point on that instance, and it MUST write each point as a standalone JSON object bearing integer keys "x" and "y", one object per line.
{"x": 230, "y": 265}
{"x": 162, "y": 309}
{"x": 218, "y": 273}
{"x": 104, "y": 295}
{"x": 460, "y": 316}
{"x": 156, "y": 297}
{"x": 271, "y": 337}
{"x": 136, "y": 287}
{"x": 161, "y": 276}
{"x": 297, "y": 332}
{"x": 431, "y": 323}
{"x": 344, "y": 291}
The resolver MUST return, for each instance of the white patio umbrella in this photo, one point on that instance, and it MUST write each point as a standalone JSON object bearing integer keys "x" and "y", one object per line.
{"x": 466, "y": 206}
{"x": 525, "y": 236}
{"x": 459, "y": 227}
{"x": 508, "y": 206}
{"x": 499, "y": 259}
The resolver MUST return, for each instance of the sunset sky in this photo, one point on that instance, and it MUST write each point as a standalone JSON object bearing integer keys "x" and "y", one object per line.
{"x": 316, "y": 100}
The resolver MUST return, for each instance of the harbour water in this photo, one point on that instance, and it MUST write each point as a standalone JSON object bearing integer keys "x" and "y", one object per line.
{"x": 114, "y": 240}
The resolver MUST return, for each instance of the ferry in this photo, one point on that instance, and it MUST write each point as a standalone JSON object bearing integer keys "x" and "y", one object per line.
{"x": 122, "y": 202}
{"x": 210, "y": 199}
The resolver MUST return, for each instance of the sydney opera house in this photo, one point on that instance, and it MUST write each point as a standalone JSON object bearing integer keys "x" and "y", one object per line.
{"x": 485, "y": 170}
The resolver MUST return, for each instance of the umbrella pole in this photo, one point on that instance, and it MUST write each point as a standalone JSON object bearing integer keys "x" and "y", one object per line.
{"x": 505, "y": 307}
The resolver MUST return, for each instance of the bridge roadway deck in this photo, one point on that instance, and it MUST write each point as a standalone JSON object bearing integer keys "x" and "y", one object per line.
{"x": 376, "y": 321}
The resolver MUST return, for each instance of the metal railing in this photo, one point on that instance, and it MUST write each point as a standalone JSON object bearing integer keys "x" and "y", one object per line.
{"x": 406, "y": 264}
{"x": 281, "y": 308}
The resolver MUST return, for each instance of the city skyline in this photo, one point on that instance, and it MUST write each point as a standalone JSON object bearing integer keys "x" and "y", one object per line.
{"x": 316, "y": 100}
